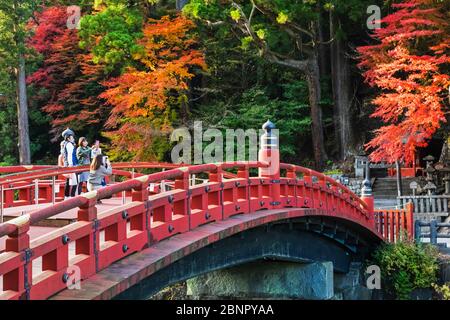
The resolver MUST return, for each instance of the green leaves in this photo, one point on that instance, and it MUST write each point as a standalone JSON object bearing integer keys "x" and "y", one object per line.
{"x": 246, "y": 42}
{"x": 282, "y": 18}
{"x": 255, "y": 105}
{"x": 235, "y": 14}
{"x": 112, "y": 35}
{"x": 406, "y": 266}
{"x": 261, "y": 33}
{"x": 329, "y": 6}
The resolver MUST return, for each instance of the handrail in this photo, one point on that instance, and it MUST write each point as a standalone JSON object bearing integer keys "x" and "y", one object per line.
{"x": 434, "y": 196}
{"x": 433, "y": 233}
{"x": 56, "y": 170}
{"x": 24, "y": 168}
{"x": 321, "y": 176}
{"x": 37, "y": 216}
{"x": 390, "y": 222}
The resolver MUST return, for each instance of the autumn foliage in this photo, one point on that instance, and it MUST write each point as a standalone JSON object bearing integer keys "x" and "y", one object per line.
{"x": 134, "y": 109}
{"x": 407, "y": 66}
{"x": 67, "y": 79}
{"x": 146, "y": 99}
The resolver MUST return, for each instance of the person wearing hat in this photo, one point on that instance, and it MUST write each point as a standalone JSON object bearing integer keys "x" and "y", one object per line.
{"x": 69, "y": 156}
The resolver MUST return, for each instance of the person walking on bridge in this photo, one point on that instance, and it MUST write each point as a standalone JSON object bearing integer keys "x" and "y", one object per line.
{"x": 84, "y": 158}
{"x": 68, "y": 153}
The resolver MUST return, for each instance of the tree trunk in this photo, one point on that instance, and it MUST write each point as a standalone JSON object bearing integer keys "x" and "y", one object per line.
{"x": 342, "y": 91}
{"x": 313, "y": 79}
{"x": 21, "y": 88}
{"x": 22, "y": 113}
{"x": 323, "y": 49}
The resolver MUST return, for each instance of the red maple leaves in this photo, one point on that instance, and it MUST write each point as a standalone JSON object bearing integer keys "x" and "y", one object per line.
{"x": 69, "y": 79}
{"x": 406, "y": 65}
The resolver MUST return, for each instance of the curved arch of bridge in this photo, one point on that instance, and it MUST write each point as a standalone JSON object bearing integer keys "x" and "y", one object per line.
{"x": 231, "y": 194}
{"x": 267, "y": 235}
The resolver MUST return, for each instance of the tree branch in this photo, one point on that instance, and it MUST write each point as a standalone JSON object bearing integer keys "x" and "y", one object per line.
{"x": 291, "y": 24}
{"x": 301, "y": 65}
{"x": 245, "y": 26}
{"x": 214, "y": 24}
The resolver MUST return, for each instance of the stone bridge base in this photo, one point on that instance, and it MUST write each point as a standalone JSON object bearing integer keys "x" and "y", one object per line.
{"x": 279, "y": 280}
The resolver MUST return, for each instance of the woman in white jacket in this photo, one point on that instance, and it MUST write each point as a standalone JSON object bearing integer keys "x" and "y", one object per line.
{"x": 69, "y": 157}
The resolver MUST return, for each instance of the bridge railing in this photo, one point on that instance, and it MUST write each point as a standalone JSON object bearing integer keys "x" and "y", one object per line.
{"x": 5, "y": 170}
{"x": 336, "y": 196}
{"x": 433, "y": 233}
{"x": 427, "y": 207}
{"x": 29, "y": 185}
{"x": 97, "y": 240}
{"x": 392, "y": 223}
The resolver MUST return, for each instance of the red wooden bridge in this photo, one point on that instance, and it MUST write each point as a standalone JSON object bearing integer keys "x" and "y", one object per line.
{"x": 148, "y": 221}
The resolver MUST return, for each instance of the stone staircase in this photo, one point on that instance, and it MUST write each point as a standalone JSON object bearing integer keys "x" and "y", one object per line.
{"x": 386, "y": 188}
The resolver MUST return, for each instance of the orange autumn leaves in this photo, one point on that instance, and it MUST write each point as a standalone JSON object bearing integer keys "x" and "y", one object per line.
{"x": 138, "y": 107}
{"x": 407, "y": 66}
{"x": 145, "y": 98}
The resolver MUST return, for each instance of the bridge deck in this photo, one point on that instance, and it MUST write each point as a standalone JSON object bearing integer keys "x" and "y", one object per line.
{"x": 51, "y": 224}
{"x": 56, "y": 221}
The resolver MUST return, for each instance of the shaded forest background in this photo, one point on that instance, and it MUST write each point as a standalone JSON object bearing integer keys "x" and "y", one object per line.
{"x": 135, "y": 70}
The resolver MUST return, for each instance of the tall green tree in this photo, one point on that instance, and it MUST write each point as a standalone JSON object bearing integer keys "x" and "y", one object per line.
{"x": 283, "y": 33}
{"x": 346, "y": 24}
{"x": 111, "y": 33}
{"x": 8, "y": 119}
{"x": 14, "y": 15}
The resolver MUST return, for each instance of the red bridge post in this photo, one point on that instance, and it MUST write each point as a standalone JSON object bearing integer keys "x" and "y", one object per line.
{"x": 409, "y": 208}
{"x": 270, "y": 154}
{"x": 19, "y": 241}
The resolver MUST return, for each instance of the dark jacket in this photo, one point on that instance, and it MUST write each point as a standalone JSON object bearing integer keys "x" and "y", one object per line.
{"x": 84, "y": 155}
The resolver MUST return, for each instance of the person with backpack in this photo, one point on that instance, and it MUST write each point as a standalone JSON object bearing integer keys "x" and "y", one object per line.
{"x": 84, "y": 158}
{"x": 69, "y": 159}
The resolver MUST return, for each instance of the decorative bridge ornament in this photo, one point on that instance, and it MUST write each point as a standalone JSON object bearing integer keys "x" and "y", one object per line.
{"x": 151, "y": 217}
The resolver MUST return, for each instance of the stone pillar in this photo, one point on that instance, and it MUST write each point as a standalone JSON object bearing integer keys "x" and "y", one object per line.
{"x": 270, "y": 154}
{"x": 266, "y": 279}
{"x": 366, "y": 194}
{"x": 447, "y": 183}
{"x": 351, "y": 286}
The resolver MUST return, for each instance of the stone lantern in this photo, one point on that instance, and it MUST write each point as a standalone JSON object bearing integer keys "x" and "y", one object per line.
{"x": 430, "y": 187}
{"x": 429, "y": 170}
{"x": 446, "y": 179}
{"x": 414, "y": 186}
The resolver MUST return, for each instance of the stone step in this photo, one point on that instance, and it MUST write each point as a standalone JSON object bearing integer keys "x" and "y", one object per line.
{"x": 387, "y": 187}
